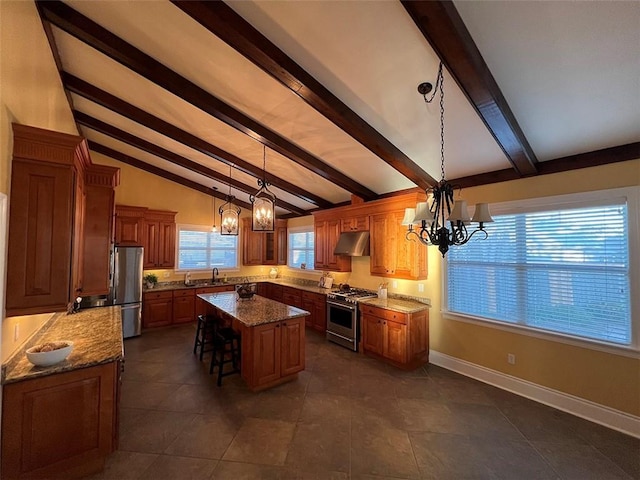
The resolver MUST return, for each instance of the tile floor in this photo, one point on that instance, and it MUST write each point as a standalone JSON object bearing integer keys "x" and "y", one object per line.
{"x": 346, "y": 417}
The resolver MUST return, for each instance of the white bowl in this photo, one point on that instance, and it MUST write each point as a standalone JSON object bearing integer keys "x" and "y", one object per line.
{"x": 44, "y": 359}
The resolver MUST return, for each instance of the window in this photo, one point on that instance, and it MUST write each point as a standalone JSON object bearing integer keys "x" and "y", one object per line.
{"x": 201, "y": 249}
{"x": 301, "y": 247}
{"x": 560, "y": 267}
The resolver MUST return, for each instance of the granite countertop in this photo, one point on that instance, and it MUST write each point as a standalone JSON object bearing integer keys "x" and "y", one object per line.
{"x": 396, "y": 304}
{"x": 96, "y": 334}
{"x": 182, "y": 286}
{"x": 254, "y": 311}
{"x": 307, "y": 288}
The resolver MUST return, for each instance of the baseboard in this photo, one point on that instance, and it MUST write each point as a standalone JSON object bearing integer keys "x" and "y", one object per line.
{"x": 609, "y": 417}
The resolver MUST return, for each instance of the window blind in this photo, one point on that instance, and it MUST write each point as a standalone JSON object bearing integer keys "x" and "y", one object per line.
{"x": 563, "y": 270}
{"x": 201, "y": 249}
{"x": 301, "y": 248}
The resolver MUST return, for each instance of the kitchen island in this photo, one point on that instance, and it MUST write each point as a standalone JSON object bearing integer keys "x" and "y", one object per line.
{"x": 273, "y": 337}
{"x": 61, "y": 421}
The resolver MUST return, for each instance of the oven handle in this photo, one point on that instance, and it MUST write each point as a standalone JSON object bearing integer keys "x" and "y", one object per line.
{"x": 341, "y": 305}
{"x": 350, "y": 340}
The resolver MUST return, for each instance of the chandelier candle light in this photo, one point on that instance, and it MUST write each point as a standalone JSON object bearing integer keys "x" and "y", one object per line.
{"x": 214, "y": 229}
{"x": 229, "y": 213}
{"x": 263, "y": 201}
{"x": 431, "y": 219}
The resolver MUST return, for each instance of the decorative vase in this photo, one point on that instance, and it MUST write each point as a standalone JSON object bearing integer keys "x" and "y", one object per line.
{"x": 273, "y": 273}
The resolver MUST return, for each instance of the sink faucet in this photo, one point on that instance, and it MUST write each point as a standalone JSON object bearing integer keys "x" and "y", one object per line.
{"x": 215, "y": 272}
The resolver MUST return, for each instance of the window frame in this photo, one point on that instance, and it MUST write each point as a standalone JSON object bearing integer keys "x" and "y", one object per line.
{"x": 203, "y": 228}
{"x": 575, "y": 200}
{"x": 304, "y": 229}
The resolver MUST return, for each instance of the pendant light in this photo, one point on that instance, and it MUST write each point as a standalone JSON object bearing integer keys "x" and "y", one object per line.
{"x": 214, "y": 229}
{"x": 263, "y": 201}
{"x": 431, "y": 219}
{"x": 229, "y": 213}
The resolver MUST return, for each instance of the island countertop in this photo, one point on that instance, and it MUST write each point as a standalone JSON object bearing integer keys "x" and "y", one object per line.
{"x": 96, "y": 334}
{"x": 254, "y": 311}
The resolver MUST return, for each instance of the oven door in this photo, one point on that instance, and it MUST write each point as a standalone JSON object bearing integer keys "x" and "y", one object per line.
{"x": 342, "y": 325}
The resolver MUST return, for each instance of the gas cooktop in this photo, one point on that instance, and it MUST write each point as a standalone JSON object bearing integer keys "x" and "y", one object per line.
{"x": 352, "y": 295}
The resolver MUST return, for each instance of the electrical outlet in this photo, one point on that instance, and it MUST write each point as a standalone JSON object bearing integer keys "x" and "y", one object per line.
{"x": 394, "y": 284}
{"x": 16, "y": 332}
{"x": 421, "y": 287}
{"x": 167, "y": 274}
{"x": 511, "y": 359}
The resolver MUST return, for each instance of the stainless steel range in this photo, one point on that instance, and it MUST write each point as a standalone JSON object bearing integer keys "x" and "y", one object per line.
{"x": 343, "y": 323}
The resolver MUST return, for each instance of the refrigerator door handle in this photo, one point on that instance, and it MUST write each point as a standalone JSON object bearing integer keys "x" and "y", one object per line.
{"x": 130, "y": 307}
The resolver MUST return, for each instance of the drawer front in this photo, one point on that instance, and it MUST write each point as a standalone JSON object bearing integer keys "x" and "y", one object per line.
{"x": 314, "y": 297}
{"x": 290, "y": 299}
{"x": 167, "y": 294}
{"x": 185, "y": 292}
{"x": 384, "y": 313}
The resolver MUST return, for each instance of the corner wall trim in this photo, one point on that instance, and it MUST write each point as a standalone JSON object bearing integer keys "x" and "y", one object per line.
{"x": 594, "y": 412}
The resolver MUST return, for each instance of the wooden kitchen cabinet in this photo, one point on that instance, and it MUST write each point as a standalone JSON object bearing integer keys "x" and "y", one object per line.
{"x": 100, "y": 183}
{"x": 392, "y": 255}
{"x": 402, "y": 339}
{"x": 264, "y": 248}
{"x": 272, "y": 351}
{"x": 157, "y": 309}
{"x": 129, "y": 225}
{"x": 316, "y": 305}
{"x": 45, "y": 242}
{"x": 62, "y": 425}
{"x": 291, "y": 296}
{"x": 326, "y": 235}
{"x": 159, "y": 235}
{"x": 184, "y": 306}
{"x": 357, "y": 223}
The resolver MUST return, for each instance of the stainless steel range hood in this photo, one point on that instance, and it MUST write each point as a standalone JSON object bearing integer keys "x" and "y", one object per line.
{"x": 353, "y": 244}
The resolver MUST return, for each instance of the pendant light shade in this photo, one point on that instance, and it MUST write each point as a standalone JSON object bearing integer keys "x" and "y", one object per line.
{"x": 229, "y": 213}
{"x": 264, "y": 202}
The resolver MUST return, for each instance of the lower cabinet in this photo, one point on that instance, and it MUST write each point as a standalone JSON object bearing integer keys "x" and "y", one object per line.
{"x": 184, "y": 305}
{"x": 157, "y": 309}
{"x": 291, "y": 296}
{"x": 272, "y": 353}
{"x": 316, "y": 305}
{"x": 400, "y": 338}
{"x": 62, "y": 425}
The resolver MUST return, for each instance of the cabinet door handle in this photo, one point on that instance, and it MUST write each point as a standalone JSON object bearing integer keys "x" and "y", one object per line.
{"x": 278, "y": 326}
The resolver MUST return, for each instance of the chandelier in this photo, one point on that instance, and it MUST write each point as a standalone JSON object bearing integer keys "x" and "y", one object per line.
{"x": 229, "y": 213}
{"x": 431, "y": 218}
{"x": 263, "y": 201}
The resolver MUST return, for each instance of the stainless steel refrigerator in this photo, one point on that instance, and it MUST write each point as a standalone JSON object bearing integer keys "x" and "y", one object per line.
{"x": 126, "y": 288}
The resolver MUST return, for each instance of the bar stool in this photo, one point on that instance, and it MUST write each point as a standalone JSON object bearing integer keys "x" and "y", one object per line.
{"x": 226, "y": 349}
{"x": 204, "y": 335}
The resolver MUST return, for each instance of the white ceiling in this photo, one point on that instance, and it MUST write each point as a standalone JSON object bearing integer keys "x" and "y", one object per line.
{"x": 570, "y": 71}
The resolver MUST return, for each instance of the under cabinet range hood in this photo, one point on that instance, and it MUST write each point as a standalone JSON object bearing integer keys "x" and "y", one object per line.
{"x": 353, "y": 244}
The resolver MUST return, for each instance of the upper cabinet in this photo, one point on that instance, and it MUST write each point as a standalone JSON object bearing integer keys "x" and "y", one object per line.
{"x": 391, "y": 254}
{"x": 49, "y": 221}
{"x": 99, "y": 194}
{"x": 155, "y": 230}
{"x": 264, "y": 248}
{"x": 327, "y": 232}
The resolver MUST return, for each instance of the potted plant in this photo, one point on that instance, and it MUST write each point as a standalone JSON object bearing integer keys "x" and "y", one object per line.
{"x": 150, "y": 279}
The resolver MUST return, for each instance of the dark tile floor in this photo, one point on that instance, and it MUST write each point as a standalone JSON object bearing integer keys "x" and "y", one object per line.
{"x": 346, "y": 417}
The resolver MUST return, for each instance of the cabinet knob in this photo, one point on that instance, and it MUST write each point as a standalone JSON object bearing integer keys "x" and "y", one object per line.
{"x": 278, "y": 326}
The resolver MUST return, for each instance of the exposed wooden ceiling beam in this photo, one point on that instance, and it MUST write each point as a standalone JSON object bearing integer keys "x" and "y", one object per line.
{"x": 621, "y": 153}
{"x": 441, "y": 25}
{"x": 121, "y": 135}
{"x": 134, "y": 162}
{"x": 89, "y": 32}
{"x": 115, "y": 104}
{"x": 226, "y": 24}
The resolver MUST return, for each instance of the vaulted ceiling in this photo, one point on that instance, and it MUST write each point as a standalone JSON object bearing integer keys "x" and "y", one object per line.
{"x": 193, "y": 91}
